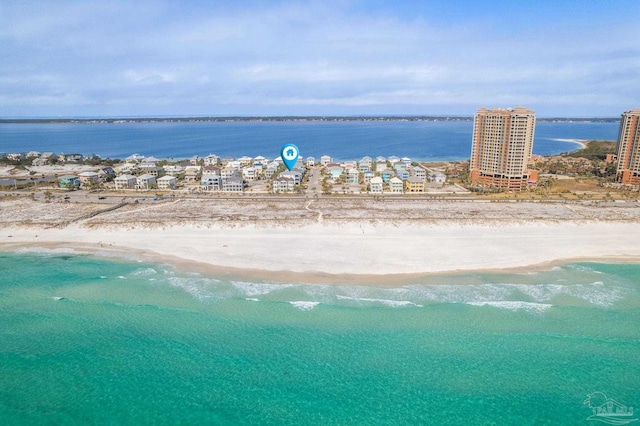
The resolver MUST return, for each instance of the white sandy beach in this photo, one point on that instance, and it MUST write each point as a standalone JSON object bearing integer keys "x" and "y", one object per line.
{"x": 335, "y": 250}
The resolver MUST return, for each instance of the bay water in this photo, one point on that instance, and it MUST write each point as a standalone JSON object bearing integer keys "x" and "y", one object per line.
{"x": 99, "y": 340}
{"x": 343, "y": 140}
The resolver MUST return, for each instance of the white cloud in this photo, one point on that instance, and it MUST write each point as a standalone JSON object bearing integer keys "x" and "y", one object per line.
{"x": 319, "y": 54}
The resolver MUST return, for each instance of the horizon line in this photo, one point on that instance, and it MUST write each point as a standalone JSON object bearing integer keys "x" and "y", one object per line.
{"x": 237, "y": 117}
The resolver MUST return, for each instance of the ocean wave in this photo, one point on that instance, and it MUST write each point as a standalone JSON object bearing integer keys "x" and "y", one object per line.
{"x": 595, "y": 293}
{"x": 304, "y": 305}
{"x": 200, "y": 288}
{"x": 386, "y": 302}
{"x": 249, "y": 289}
{"x": 515, "y": 305}
{"x": 521, "y": 296}
{"x": 144, "y": 272}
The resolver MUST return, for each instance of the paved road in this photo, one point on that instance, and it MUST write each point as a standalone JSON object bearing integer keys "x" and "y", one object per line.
{"x": 314, "y": 187}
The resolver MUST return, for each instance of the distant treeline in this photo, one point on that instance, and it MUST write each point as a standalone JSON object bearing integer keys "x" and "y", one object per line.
{"x": 274, "y": 119}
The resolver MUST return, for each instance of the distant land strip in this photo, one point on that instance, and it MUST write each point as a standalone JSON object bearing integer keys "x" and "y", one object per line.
{"x": 276, "y": 119}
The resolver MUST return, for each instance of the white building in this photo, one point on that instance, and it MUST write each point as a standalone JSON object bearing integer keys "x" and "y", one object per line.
{"x": 283, "y": 184}
{"x": 145, "y": 181}
{"x": 233, "y": 184}
{"x": 325, "y": 159}
{"x": 294, "y": 174}
{"x": 375, "y": 185}
{"x": 395, "y": 185}
{"x": 249, "y": 173}
{"x": 167, "y": 182}
{"x": 125, "y": 181}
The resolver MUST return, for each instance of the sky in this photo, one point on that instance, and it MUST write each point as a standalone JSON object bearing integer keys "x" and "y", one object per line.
{"x": 223, "y": 58}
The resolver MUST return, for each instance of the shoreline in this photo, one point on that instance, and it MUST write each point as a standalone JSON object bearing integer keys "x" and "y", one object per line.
{"x": 348, "y": 242}
{"x": 232, "y": 253}
{"x": 288, "y": 277}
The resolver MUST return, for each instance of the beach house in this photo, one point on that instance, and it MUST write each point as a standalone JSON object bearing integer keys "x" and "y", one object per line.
{"x": 249, "y": 173}
{"x": 368, "y": 175}
{"x": 245, "y": 161}
{"x": 395, "y": 185}
{"x": 211, "y": 182}
{"x": 419, "y": 172}
{"x": 126, "y": 167}
{"x": 353, "y": 176}
{"x": 145, "y": 182}
{"x": 233, "y": 184}
{"x": 335, "y": 171}
{"x": 228, "y": 172}
{"x": 283, "y": 184}
{"x": 69, "y": 182}
{"x": 402, "y": 174}
{"x": 173, "y": 169}
{"x": 211, "y": 160}
{"x": 88, "y": 178}
{"x": 271, "y": 170}
{"x": 107, "y": 173}
{"x": 192, "y": 173}
{"x": 375, "y": 185}
{"x": 414, "y": 184}
{"x": 294, "y": 174}
{"x": 148, "y": 166}
{"x": 365, "y": 164}
{"x": 167, "y": 182}
{"x": 386, "y": 175}
{"x": 40, "y": 161}
{"x": 325, "y": 160}
{"x": 135, "y": 158}
{"x": 125, "y": 181}
{"x": 393, "y": 160}
{"x": 72, "y": 158}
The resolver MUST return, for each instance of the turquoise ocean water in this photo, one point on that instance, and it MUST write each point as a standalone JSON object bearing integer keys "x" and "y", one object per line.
{"x": 88, "y": 340}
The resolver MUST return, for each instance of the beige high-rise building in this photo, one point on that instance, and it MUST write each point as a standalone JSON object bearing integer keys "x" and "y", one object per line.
{"x": 628, "y": 148}
{"x": 501, "y": 147}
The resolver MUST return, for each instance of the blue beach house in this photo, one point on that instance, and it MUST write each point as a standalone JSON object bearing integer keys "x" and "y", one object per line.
{"x": 69, "y": 182}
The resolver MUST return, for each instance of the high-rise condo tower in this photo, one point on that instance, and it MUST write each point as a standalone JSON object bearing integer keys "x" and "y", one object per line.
{"x": 501, "y": 147}
{"x": 628, "y": 148}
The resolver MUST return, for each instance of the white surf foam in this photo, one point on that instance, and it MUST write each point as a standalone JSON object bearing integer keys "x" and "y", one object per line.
{"x": 515, "y": 305}
{"x": 201, "y": 288}
{"x": 249, "y": 289}
{"x": 386, "y": 302}
{"x": 304, "y": 305}
{"x": 144, "y": 272}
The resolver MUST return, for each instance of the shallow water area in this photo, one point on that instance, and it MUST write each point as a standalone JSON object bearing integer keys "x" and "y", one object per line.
{"x": 92, "y": 340}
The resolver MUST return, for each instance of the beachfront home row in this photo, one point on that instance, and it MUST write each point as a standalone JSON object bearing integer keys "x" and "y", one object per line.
{"x": 414, "y": 178}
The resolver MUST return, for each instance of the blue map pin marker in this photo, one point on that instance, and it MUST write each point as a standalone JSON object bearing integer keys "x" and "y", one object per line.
{"x": 289, "y": 154}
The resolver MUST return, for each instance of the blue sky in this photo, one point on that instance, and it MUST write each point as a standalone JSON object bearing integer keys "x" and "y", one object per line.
{"x": 159, "y": 58}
